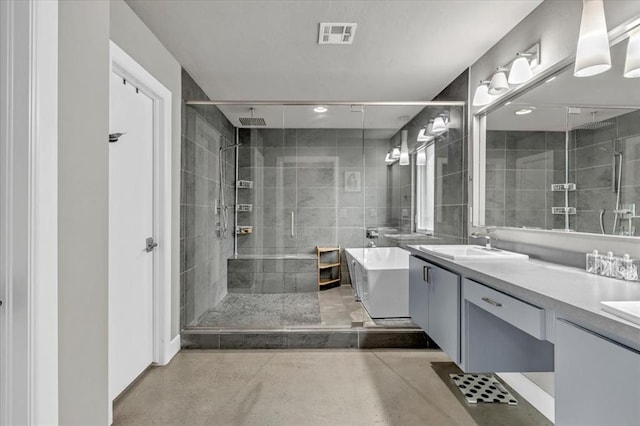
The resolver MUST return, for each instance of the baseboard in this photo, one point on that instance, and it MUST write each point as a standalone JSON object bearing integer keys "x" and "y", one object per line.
{"x": 174, "y": 347}
{"x": 534, "y": 394}
{"x": 170, "y": 351}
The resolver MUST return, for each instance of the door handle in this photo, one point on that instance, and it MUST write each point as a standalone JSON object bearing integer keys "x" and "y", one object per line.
{"x": 426, "y": 274}
{"x": 292, "y": 226}
{"x": 150, "y": 245}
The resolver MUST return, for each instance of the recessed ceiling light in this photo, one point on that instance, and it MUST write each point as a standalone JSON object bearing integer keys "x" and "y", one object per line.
{"x": 551, "y": 79}
{"x": 320, "y": 108}
{"x": 508, "y": 103}
{"x": 525, "y": 111}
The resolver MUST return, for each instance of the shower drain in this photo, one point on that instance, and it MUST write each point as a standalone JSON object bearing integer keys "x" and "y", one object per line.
{"x": 482, "y": 388}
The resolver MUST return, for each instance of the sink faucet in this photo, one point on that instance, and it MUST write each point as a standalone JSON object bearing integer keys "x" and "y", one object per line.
{"x": 486, "y": 235}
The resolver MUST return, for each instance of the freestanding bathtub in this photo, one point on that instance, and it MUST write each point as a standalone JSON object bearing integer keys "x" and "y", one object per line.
{"x": 380, "y": 277}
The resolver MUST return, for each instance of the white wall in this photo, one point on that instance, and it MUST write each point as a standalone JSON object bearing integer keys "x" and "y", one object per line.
{"x": 83, "y": 118}
{"x": 132, "y": 36}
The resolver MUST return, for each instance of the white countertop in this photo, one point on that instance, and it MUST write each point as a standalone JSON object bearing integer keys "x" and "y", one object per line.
{"x": 571, "y": 293}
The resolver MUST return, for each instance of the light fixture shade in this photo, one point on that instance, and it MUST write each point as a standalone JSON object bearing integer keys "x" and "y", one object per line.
{"x": 482, "y": 96}
{"x": 388, "y": 158}
{"x": 592, "y": 55}
{"x": 520, "y": 71}
{"x": 439, "y": 125}
{"x": 395, "y": 154}
{"x": 499, "y": 84}
{"x": 404, "y": 149}
{"x": 632, "y": 63}
{"x": 423, "y": 136}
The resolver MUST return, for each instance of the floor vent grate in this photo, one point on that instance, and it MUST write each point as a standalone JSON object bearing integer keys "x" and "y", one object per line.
{"x": 482, "y": 388}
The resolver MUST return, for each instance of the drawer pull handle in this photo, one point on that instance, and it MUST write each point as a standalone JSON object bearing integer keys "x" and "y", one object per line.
{"x": 426, "y": 274}
{"x": 492, "y": 302}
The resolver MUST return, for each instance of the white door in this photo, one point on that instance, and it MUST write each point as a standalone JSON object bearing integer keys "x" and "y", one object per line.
{"x": 130, "y": 223}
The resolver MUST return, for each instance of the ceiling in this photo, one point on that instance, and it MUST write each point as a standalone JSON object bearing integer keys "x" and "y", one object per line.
{"x": 605, "y": 92}
{"x": 268, "y": 50}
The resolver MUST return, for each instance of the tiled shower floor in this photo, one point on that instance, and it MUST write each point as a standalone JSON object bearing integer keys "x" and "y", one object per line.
{"x": 335, "y": 307}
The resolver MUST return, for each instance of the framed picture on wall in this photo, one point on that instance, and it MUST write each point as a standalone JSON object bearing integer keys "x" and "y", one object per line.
{"x": 352, "y": 181}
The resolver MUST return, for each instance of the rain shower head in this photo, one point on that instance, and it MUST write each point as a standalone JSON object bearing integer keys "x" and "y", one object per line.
{"x": 594, "y": 124}
{"x": 252, "y": 121}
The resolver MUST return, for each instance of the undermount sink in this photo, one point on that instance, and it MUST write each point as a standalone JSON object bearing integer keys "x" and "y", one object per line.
{"x": 629, "y": 310}
{"x": 462, "y": 252}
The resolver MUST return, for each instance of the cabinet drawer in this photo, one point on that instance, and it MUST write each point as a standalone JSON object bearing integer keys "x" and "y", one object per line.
{"x": 522, "y": 315}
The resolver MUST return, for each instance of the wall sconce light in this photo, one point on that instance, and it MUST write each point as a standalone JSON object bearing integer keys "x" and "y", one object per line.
{"x": 482, "y": 96}
{"x": 499, "y": 84}
{"x": 592, "y": 54}
{"x": 439, "y": 125}
{"x": 404, "y": 149}
{"x": 632, "y": 63}
{"x": 520, "y": 69}
{"x": 424, "y": 136}
{"x": 388, "y": 158}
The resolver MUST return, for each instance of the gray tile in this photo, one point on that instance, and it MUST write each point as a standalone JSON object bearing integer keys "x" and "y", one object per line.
{"x": 368, "y": 339}
{"x": 317, "y": 178}
{"x": 525, "y": 140}
{"x": 317, "y": 197}
{"x": 311, "y": 138}
{"x": 200, "y": 341}
{"x": 306, "y": 265}
{"x": 324, "y": 340}
{"x": 253, "y": 341}
{"x": 318, "y": 217}
{"x": 306, "y": 282}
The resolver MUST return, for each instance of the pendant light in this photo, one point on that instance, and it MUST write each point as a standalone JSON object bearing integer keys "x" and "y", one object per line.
{"x": 592, "y": 55}
{"x": 404, "y": 149}
{"x": 482, "y": 96}
{"x": 520, "y": 70}
{"x": 423, "y": 136}
{"x": 395, "y": 154}
{"x": 632, "y": 64}
{"x": 499, "y": 84}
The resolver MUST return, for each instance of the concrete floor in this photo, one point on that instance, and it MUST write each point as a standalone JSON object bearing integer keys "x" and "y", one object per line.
{"x": 323, "y": 387}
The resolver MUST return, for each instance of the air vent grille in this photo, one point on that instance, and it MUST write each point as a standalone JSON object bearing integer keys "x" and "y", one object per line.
{"x": 248, "y": 121}
{"x": 336, "y": 33}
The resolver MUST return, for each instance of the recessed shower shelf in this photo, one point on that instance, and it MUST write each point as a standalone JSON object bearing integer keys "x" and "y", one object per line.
{"x": 244, "y": 230}
{"x": 563, "y": 187}
{"x": 563, "y": 210}
{"x": 244, "y": 184}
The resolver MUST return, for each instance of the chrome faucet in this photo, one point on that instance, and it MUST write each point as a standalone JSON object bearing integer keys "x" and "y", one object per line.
{"x": 486, "y": 235}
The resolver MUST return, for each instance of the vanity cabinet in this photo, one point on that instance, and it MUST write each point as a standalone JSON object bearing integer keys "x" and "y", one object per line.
{"x": 597, "y": 379}
{"x": 501, "y": 333}
{"x": 434, "y": 304}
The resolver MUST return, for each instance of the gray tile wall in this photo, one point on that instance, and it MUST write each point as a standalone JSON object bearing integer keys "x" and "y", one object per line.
{"x": 520, "y": 168}
{"x": 203, "y": 266}
{"x": 303, "y": 171}
{"x": 591, "y": 164}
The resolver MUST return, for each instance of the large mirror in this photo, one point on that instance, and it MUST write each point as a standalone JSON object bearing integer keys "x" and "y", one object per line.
{"x": 565, "y": 155}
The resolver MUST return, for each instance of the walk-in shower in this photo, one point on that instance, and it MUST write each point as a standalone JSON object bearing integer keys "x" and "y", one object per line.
{"x": 290, "y": 179}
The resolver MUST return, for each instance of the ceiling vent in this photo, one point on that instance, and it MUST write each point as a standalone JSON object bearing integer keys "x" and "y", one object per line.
{"x": 336, "y": 33}
{"x": 250, "y": 121}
